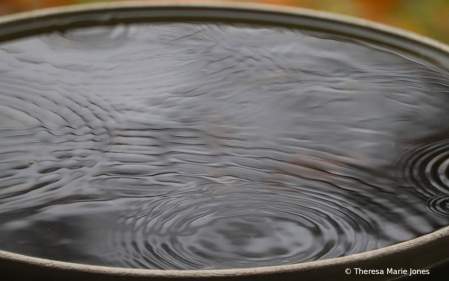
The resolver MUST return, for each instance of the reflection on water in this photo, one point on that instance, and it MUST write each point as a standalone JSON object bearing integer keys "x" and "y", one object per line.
{"x": 205, "y": 146}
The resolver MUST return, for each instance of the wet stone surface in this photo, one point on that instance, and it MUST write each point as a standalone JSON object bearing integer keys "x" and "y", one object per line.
{"x": 209, "y": 146}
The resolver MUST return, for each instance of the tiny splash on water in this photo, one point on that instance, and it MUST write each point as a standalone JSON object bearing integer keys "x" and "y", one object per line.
{"x": 211, "y": 146}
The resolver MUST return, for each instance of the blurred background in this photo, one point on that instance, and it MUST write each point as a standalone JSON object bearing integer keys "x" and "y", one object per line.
{"x": 426, "y": 17}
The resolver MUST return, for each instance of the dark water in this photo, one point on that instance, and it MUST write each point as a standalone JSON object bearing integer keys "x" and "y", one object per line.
{"x": 207, "y": 146}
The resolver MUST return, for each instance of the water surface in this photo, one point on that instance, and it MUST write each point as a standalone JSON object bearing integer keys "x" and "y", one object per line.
{"x": 209, "y": 146}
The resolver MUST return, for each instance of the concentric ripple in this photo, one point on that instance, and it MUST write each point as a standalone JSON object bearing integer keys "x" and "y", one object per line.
{"x": 425, "y": 168}
{"x": 210, "y": 146}
{"x": 439, "y": 206}
{"x": 238, "y": 226}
